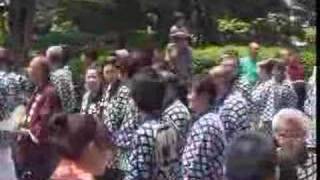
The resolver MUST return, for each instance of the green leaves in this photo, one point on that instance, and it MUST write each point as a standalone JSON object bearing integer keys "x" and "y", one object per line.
{"x": 233, "y": 26}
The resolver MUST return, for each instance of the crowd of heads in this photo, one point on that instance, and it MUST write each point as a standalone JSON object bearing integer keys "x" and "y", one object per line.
{"x": 250, "y": 156}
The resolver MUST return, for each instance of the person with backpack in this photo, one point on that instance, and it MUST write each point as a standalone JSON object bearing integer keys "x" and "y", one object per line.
{"x": 203, "y": 155}
{"x": 154, "y": 146}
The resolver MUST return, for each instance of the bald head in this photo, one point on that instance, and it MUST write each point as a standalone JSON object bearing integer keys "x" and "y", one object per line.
{"x": 254, "y": 45}
{"x": 39, "y": 70}
{"x": 254, "y": 49}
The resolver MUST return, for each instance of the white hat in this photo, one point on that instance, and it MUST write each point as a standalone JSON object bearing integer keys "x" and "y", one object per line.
{"x": 179, "y": 32}
{"x": 122, "y": 53}
{"x": 54, "y": 50}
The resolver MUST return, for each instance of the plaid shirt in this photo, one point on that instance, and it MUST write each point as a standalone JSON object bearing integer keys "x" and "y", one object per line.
{"x": 62, "y": 81}
{"x": 203, "y": 155}
{"x": 245, "y": 89}
{"x": 308, "y": 170}
{"x": 115, "y": 111}
{"x": 142, "y": 163}
{"x": 270, "y": 97}
{"x": 235, "y": 115}
{"x": 177, "y": 114}
{"x": 310, "y": 110}
{"x": 121, "y": 117}
{"x": 3, "y": 92}
{"x": 14, "y": 91}
{"x": 310, "y": 102}
{"x": 91, "y": 105}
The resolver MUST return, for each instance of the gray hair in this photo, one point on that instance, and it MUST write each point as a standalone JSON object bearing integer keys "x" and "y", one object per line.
{"x": 55, "y": 51}
{"x": 290, "y": 113}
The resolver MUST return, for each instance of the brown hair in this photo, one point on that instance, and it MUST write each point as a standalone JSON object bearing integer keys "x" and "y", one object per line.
{"x": 71, "y": 133}
{"x": 203, "y": 83}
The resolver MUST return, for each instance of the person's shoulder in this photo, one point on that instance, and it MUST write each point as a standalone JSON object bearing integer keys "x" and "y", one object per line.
{"x": 61, "y": 72}
{"x": 235, "y": 97}
{"x": 176, "y": 107}
{"x": 147, "y": 128}
{"x": 208, "y": 120}
{"x": 50, "y": 90}
{"x": 124, "y": 88}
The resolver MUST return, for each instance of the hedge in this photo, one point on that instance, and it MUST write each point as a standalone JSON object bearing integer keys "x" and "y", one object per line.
{"x": 206, "y": 57}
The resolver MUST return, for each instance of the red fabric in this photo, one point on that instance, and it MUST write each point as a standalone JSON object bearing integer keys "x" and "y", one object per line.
{"x": 44, "y": 103}
{"x": 295, "y": 70}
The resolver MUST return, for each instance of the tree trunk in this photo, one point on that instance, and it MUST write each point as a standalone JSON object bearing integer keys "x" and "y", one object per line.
{"x": 21, "y": 13}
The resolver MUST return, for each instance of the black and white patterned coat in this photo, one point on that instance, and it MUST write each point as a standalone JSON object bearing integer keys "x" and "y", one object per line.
{"x": 203, "y": 155}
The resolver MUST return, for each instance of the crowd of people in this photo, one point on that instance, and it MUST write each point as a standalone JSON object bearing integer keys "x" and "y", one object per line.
{"x": 143, "y": 116}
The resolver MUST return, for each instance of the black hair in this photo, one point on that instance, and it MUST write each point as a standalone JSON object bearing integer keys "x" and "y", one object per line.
{"x": 91, "y": 53}
{"x": 251, "y": 156}
{"x": 147, "y": 90}
{"x": 111, "y": 61}
{"x": 279, "y": 65}
{"x": 172, "y": 88}
{"x": 98, "y": 68}
{"x": 66, "y": 53}
{"x": 116, "y": 85}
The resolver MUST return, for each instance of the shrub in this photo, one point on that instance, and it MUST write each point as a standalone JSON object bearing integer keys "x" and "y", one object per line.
{"x": 310, "y": 34}
{"x": 70, "y": 38}
{"x": 206, "y": 57}
{"x": 308, "y": 56}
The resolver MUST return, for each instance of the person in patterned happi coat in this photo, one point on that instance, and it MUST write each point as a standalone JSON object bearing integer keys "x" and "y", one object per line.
{"x": 203, "y": 154}
{"x": 15, "y": 88}
{"x": 61, "y": 78}
{"x": 274, "y": 95}
{"x": 7, "y": 169}
{"x": 153, "y": 150}
{"x": 121, "y": 113}
{"x": 296, "y": 161}
{"x": 231, "y": 63}
{"x": 310, "y": 107}
{"x": 230, "y": 104}
{"x": 174, "y": 110}
{"x": 93, "y": 101}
